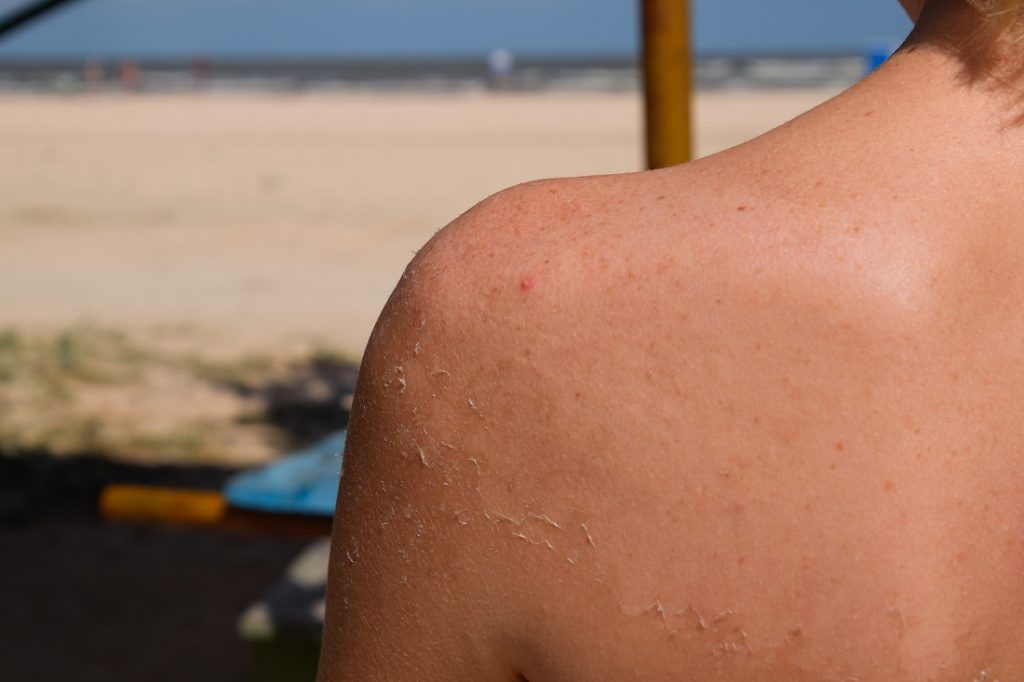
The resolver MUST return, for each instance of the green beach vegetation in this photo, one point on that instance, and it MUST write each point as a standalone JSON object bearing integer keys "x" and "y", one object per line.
{"x": 87, "y": 390}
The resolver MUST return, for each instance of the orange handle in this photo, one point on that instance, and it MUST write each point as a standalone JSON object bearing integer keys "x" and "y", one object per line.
{"x": 162, "y": 505}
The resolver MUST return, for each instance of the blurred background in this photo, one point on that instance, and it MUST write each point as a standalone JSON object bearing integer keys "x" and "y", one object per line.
{"x": 203, "y": 207}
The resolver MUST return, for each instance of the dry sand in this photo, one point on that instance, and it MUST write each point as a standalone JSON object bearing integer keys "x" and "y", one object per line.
{"x": 263, "y": 222}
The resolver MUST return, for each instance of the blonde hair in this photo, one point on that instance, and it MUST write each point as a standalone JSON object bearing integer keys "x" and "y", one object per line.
{"x": 1008, "y": 11}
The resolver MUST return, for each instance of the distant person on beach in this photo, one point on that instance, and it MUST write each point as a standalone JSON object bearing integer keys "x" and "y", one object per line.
{"x": 93, "y": 75}
{"x": 756, "y": 417}
{"x": 500, "y": 65}
{"x": 131, "y": 76}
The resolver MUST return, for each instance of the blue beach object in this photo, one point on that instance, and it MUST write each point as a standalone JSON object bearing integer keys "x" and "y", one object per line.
{"x": 876, "y": 55}
{"x": 304, "y": 482}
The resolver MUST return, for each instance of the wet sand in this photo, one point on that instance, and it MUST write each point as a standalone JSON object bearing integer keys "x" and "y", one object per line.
{"x": 267, "y": 222}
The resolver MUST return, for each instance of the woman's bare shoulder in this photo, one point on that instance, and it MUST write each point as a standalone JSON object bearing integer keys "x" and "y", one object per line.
{"x": 656, "y": 409}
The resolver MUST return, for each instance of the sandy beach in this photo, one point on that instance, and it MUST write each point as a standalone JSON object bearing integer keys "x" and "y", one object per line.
{"x": 260, "y": 222}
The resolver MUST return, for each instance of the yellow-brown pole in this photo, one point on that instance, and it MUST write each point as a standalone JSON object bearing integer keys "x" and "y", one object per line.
{"x": 667, "y": 79}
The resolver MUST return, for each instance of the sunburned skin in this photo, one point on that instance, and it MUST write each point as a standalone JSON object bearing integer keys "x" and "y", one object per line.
{"x": 712, "y": 633}
{"x": 751, "y": 419}
{"x": 528, "y": 526}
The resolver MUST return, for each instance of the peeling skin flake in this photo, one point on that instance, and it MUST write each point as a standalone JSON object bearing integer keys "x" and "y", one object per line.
{"x": 545, "y": 543}
{"x": 586, "y": 531}
{"x": 544, "y": 518}
{"x": 530, "y": 516}
{"x": 701, "y": 624}
{"x": 657, "y": 609}
{"x": 399, "y": 376}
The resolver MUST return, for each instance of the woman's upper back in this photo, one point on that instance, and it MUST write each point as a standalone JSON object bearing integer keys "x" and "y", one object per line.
{"x": 754, "y": 418}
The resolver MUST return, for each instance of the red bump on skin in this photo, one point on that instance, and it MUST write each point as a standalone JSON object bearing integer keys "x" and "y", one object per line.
{"x": 526, "y": 284}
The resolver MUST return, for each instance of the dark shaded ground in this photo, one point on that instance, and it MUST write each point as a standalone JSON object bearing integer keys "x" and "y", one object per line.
{"x": 83, "y": 600}
{"x": 312, "y": 401}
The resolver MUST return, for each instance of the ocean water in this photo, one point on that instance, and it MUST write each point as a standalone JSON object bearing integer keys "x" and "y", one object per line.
{"x": 597, "y": 74}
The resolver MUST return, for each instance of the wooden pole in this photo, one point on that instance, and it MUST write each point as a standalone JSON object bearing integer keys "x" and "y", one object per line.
{"x": 667, "y": 81}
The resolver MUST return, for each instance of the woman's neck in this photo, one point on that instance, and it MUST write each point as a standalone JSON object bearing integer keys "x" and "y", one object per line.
{"x": 986, "y": 51}
{"x": 959, "y": 76}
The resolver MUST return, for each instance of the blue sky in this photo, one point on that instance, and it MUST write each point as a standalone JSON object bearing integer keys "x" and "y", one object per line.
{"x": 311, "y": 28}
